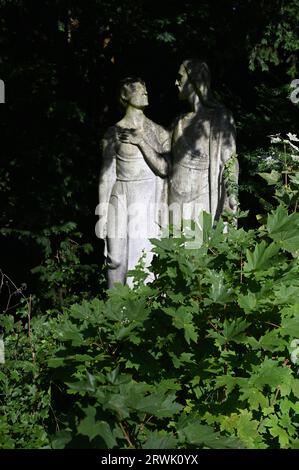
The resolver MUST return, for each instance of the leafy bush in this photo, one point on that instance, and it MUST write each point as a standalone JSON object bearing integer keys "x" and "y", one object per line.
{"x": 281, "y": 159}
{"x": 64, "y": 273}
{"x": 204, "y": 356}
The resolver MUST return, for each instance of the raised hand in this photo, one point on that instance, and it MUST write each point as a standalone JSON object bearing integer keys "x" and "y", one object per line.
{"x": 130, "y": 136}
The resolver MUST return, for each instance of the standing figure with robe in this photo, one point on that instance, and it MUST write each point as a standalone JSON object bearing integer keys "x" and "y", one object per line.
{"x": 133, "y": 184}
{"x": 204, "y": 172}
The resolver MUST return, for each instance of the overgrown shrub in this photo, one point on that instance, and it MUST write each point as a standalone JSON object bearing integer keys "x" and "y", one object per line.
{"x": 204, "y": 356}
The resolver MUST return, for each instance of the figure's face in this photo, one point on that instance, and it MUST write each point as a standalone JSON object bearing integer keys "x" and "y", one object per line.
{"x": 183, "y": 84}
{"x": 136, "y": 95}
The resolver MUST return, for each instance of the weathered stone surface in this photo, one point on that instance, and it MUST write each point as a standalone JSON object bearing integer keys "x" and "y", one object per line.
{"x": 133, "y": 184}
{"x": 204, "y": 167}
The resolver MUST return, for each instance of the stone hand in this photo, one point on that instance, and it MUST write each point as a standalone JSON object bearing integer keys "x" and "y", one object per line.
{"x": 130, "y": 136}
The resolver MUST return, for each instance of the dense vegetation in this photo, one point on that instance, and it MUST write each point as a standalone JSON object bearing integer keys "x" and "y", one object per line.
{"x": 206, "y": 355}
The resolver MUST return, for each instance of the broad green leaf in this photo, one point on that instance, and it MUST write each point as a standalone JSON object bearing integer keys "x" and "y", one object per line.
{"x": 92, "y": 428}
{"x": 286, "y": 294}
{"x": 269, "y": 373}
{"x": 220, "y": 292}
{"x": 192, "y": 432}
{"x": 69, "y": 332}
{"x": 271, "y": 341}
{"x": 248, "y": 302}
{"x": 226, "y": 381}
{"x": 61, "y": 439}
{"x": 290, "y": 326}
{"x": 295, "y": 390}
{"x": 158, "y": 440}
{"x": 182, "y": 319}
{"x": 277, "y": 431}
{"x": 254, "y": 397}
{"x": 160, "y": 405}
{"x": 118, "y": 404}
{"x": 262, "y": 258}
{"x": 283, "y": 228}
{"x": 55, "y": 362}
{"x": 87, "y": 385}
{"x": 233, "y": 330}
{"x": 247, "y": 430}
{"x": 280, "y": 223}
{"x": 271, "y": 178}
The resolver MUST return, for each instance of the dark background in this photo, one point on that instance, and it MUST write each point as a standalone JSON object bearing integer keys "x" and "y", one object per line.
{"x": 61, "y": 62}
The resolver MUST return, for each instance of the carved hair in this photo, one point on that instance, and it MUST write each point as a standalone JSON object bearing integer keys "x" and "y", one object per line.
{"x": 125, "y": 85}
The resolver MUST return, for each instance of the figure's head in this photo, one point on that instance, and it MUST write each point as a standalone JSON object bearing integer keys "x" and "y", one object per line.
{"x": 133, "y": 92}
{"x": 194, "y": 76}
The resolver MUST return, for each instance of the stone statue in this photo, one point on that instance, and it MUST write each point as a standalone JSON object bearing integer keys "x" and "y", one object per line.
{"x": 205, "y": 170}
{"x": 133, "y": 184}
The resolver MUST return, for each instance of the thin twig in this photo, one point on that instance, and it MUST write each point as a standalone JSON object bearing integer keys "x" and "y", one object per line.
{"x": 2, "y": 279}
{"x": 210, "y": 323}
{"x": 126, "y": 435}
{"x": 13, "y": 306}
{"x": 17, "y": 289}
{"x": 9, "y": 297}
{"x": 241, "y": 268}
{"x": 272, "y": 324}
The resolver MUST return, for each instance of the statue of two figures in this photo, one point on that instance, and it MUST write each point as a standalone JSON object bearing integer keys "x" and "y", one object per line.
{"x": 150, "y": 176}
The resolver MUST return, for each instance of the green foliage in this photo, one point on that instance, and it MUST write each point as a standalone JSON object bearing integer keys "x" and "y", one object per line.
{"x": 65, "y": 273}
{"x": 25, "y": 398}
{"x": 201, "y": 357}
{"x": 205, "y": 356}
{"x": 279, "y": 42}
{"x": 279, "y": 167}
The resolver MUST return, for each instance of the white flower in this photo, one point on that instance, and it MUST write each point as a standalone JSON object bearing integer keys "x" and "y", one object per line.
{"x": 269, "y": 159}
{"x": 275, "y": 139}
{"x": 294, "y": 146}
{"x": 293, "y": 137}
{"x": 295, "y": 158}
